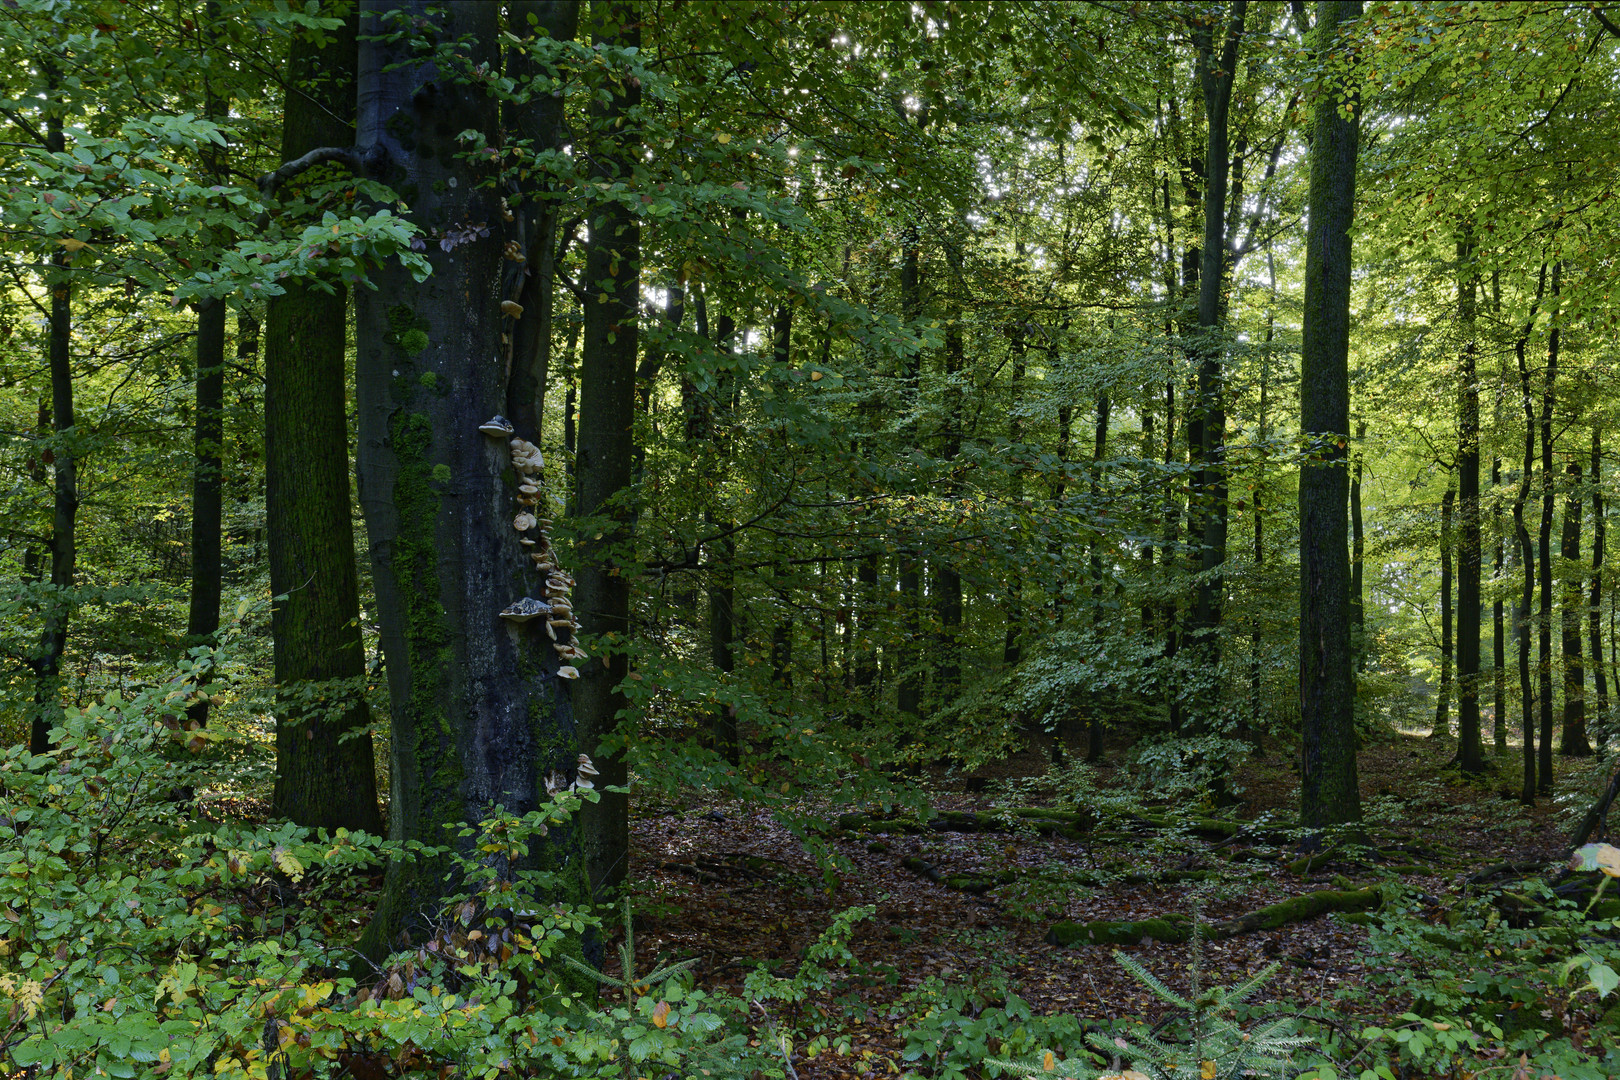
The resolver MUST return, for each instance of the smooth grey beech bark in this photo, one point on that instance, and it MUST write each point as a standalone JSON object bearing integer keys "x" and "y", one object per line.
{"x": 1329, "y": 791}
{"x": 326, "y": 773}
{"x": 479, "y": 714}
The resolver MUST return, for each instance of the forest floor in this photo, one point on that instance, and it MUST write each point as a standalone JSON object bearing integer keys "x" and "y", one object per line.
{"x": 732, "y": 887}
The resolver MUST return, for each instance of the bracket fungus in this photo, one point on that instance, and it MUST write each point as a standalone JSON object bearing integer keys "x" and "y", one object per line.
{"x": 496, "y": 427}
{"x": 525, "y": 609}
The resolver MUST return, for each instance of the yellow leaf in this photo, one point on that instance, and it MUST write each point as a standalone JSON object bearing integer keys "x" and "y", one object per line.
{"x": 1049, "y": 1062}
{"x": 1206, "y": 1069}
{"x": 286, "y": 863}
{"x": 722, "y": 138}
{"x": 660, "y": 1014}
{"x": 72, "y": 244}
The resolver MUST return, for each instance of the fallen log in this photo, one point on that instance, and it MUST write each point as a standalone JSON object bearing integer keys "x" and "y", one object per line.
{"x": 1176, "y": 928}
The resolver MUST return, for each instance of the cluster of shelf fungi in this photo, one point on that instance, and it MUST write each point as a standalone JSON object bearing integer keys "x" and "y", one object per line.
{"x": 556, "y": 607}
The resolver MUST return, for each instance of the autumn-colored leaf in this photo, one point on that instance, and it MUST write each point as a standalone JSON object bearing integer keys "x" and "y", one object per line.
{"x": 660, "y": 1014}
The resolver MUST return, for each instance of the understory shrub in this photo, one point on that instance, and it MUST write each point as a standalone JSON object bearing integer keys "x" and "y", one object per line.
{"x": 141, "y": 938}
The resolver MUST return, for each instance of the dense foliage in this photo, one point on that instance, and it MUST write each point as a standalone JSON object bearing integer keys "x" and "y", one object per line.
{"x": 899, "y": 385}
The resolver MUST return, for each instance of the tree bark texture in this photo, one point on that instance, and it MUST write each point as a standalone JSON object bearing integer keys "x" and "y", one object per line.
{"x": 1527, "y": 553}
{"x": 1442, "y": 697}
{"x": 479, "y": 716}
{"x": 57, "y": 607}
{"x": 1217, "y": 67}
{"x": 606, "y": 444}
{"x": 1470, "y": 751}
{"x": 1329, "y": 792}
{"x": 325, "y": 769}
{"x": 1499, "y": 629}
{"x": 1544, "y": 681}
{"x": 1599, "y": 713}
{"x": 1572, "y": 740}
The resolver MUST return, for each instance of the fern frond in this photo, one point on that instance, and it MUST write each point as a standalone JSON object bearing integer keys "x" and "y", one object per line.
{"x": 1150, "y": 980}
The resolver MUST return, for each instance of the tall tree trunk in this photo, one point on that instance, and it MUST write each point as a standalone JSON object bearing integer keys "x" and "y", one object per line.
{"x": 1329, "y": 791}
{"x": 1572, "y": 741}
{"x": 325, "y": 770}
{"x": 723, "y": 630}
{"x": 1499, "y": 629}
{"x": 1544, "y": 779}
{"x": 946, "y": 578}
{"x": 479, "y": 717}
{"x": 1442, "y": 704}
{"x": 1099, "y": 449}
{"x": 606, "y": 445}
{"x": 207, "y": 444}
{"x": 1594, "y": 609}
{"x": 1527, "y": 552}
{"x": 1358, "y": 556}
{"x": 1470, "y": 751}
{"x": 1011, "y": 645}
{"x": 1217, "y": 67}
{"x": 57, "y": 608}
{"x": 909, "y": 690}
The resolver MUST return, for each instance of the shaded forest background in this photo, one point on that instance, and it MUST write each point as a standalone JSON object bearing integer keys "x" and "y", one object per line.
{"x": 538, "y": 418}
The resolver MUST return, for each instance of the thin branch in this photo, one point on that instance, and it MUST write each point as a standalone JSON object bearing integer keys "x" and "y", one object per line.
{"x": 347, "y": 155}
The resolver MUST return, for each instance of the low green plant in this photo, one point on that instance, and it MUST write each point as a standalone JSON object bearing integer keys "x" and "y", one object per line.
{"x": 1205, "y": 1042}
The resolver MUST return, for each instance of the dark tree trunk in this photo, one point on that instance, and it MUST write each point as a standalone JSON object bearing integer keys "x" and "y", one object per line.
{"x": 1594, "y": 609}
{"x": 1470, "y": 751}
{"x": 1011, "y": 645}
{"x": 1572, "y": 740}
{"x": 909, "y": 690}
{"x": 325, "y": 772}
{"x": 1544, "y": 779}
{"x": 1329, "y": 791}
{"x": 1442, "y": 704}
{"x": 57, "y": 608}
{"x": 1099, "y": 449}
{"x": 1527, "y": 554}
{"x": 1217, "y": 68}
{"x": 946, "y": 578}
{"x": 1499, "y": 629}
{"x": 478, "y": 714}
{"x": 606, "y": 446}
{"x": 1358, "y": 554}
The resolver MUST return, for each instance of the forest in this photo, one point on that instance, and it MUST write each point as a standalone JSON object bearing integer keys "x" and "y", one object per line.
{"x": 944, "y": 539}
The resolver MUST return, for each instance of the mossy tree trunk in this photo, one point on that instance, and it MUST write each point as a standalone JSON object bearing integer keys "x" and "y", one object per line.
{"x": 1329, "y": 791}
{"x": 325, "y": 772}
{"x": 479, "y": 715}
{"x": 605, "y": 456}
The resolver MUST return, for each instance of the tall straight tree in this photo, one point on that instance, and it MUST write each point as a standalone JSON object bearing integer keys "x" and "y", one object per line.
{"x": 1217, "y": 40}
{"x": 325, "y": 773}
{"x": 1329, "y": 791}
{"x": 1599, "y": 713}
{"x": 1572, "y": 740}
{"x": 480, "y": 717}
{"x": 1544, "y": 675}
{"x": 607, "y": 402}
{"x": 1470, "y": 751}
{"x": 1527, "y": 551}
{"x": 1442, "y": 696}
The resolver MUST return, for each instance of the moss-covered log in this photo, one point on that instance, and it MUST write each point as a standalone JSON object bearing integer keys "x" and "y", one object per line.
{"x": 1294, "y": 909}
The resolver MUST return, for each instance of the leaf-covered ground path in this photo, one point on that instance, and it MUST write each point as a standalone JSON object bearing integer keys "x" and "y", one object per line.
{"x": 733, "y": 888}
